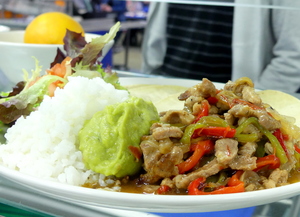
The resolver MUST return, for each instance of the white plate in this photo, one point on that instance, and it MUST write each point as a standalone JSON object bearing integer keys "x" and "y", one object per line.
{"x": 151, "y": 203}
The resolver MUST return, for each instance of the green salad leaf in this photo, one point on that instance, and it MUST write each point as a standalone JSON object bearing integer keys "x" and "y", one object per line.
{"x": 3, "y": 129}
{"x": 28, "y": 94}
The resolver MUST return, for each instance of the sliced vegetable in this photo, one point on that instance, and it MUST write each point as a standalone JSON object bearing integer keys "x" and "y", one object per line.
{"x": 297, "y": 156}
{"x": 188, "y": 132}
{"x": 213, "y": 121}
{"x": 277, "y": 133}
{"x": 269, "y": 162}
{"x": 12, "y": 108}
{"x": 205, "y": 121}
{"x": 201, "y": 148}
{"x": 260, "y": 150}
{"x": 163, "y": 189}
{"x": 212, "y": 100}
{"x": 204, "y": 111}
{"x": 279, "y": 152}
{"x": 297, "y": 149}
{"x": 215, "y": 132}
{"x": 59, "y": 69}
{"x": 234, "y": 185}
{"x": 136, "y": 151}
{"x": 3, "y": 129}
{"x": 83, "y": 54}
{"x": 243, "y": 102}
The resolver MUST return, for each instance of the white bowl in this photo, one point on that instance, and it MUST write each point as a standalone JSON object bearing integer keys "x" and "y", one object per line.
{"x": 17, "y": 55}
{"x": 4, "y": 28}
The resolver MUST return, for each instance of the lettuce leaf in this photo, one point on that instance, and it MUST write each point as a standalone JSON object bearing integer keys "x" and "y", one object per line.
{"x": 97, "y": 71}
{"x": 92, "y": 51}
{"x": 11, "y": 108}
{"x": 3, "y": 129}
{"x": 24, "y": 99}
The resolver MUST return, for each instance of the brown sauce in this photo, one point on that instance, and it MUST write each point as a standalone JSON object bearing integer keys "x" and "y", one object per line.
{"x": 131, "y": 186}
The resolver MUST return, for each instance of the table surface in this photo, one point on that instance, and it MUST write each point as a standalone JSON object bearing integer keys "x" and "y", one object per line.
{"x": 89, "y": 25}
{"x": 104, "y": 24}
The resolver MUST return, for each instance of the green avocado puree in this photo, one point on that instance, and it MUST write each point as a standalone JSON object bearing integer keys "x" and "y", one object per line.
{"x": 105, "y": 139}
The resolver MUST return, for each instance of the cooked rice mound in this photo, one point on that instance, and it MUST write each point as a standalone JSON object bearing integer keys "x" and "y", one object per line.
{"x": 44, "y": 143}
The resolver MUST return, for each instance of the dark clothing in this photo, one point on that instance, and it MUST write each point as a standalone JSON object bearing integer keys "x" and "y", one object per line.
{"x": 199, "y": 42}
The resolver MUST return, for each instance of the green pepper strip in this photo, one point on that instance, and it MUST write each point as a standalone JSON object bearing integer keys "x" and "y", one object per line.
{"x": 297, "y": 156}
{"x": 252, "y": 137}
{"x": 188, "y": 132}
{"x": 213, "y": 121}
{"x": 279, "y": 152}
{"x": 222, "y": 178}
{"x": 203, "y": 122}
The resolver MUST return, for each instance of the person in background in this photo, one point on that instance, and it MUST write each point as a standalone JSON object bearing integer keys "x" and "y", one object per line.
{"x": 225, "y": 43}
{"x": 115, "y": 6}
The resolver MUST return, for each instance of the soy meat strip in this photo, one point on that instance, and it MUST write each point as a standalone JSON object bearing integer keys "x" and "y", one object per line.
{"x": 222, "y": 141}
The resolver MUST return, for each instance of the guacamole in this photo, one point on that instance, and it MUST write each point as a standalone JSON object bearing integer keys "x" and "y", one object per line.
{"x": 105, "y": 139}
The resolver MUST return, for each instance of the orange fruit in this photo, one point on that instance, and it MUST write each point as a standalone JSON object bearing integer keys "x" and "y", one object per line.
{"x": 50, "y": 28}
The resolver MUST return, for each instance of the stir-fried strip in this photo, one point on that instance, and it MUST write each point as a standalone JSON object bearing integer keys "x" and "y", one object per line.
{"x": 206, "y": 121}
{"x": 269, "y": 162}
{"x": 136, "y": 152}
{"x": 163, "y": 189}
{"x": 213, "y": 121}
{"x": 212, "y": 100}
{"x": 200, "y": 149}
{"x": 188, "y": 132}
{"x": 280, "y": 153}
{"x": 297, "y": 156}
{"x": 204, "y": 111}
{"x": 277, "y": 133}
{"x": 243, "y": 102}
{"x": 297, "y": 149}
{"x": 260, "y": 150}
{"x": 215, "y": 132}
{"x": 244, "y": 138}
{"x": 234, "y": 185}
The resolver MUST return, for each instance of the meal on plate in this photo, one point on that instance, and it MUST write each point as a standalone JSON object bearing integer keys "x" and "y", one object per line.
{"x": 79, "y": 125}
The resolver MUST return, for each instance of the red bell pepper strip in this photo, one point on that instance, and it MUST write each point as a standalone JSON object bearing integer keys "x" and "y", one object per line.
{"x": 297, "y": 149}
{"x": 136, "y": 152}
{"x": 269, "y": 161}
{"x": 277, "y": 133}
{"x": 163, "y": 189}
{"x": 204, "y": 111}
{"x": 201, "y": 148}
{"x": 234, "y": 185}
{"x": 215, "y": 132}
{"x": 243, "y": 102}
{"x": 212, "y": 100}
{"x": 235, "y": 179}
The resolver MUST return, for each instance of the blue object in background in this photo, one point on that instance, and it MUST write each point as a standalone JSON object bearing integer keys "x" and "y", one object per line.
{"x": 108, "y": 59}
{"x": 245, "y": 212}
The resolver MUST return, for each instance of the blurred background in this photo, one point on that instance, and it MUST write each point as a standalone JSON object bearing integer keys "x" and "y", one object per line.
{"x": 95, "y": 17}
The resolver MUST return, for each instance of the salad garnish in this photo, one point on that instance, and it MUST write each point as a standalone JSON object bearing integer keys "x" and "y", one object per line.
{"x": 79, "y": 59}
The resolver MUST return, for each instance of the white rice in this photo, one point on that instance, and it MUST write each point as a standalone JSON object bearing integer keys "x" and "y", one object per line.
{"x": 43, "y": 143}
